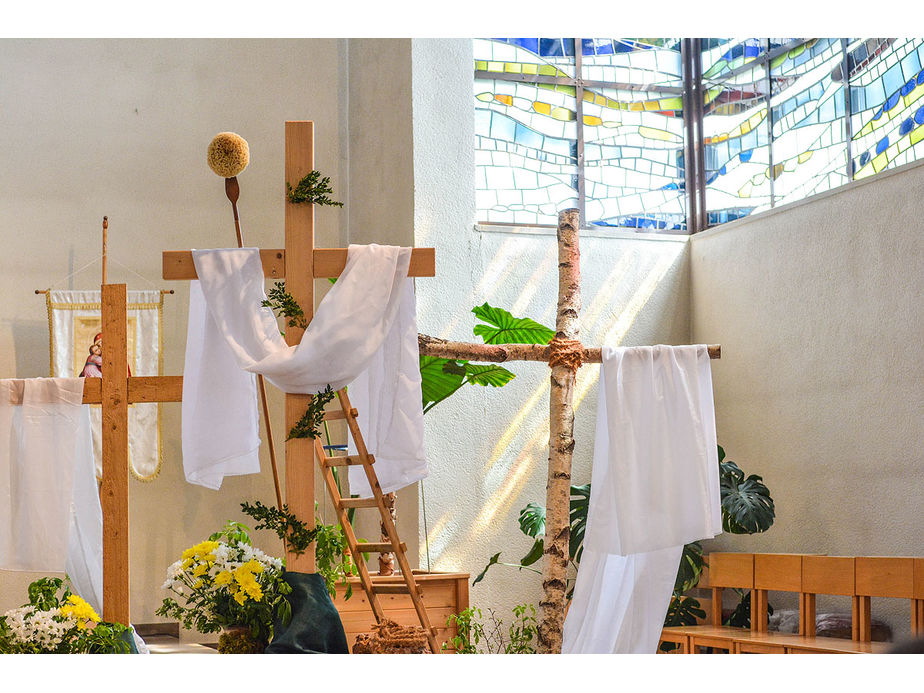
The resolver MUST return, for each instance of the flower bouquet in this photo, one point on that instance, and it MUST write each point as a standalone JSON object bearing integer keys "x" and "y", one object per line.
{"x": 228, "y": 585}
{"x": 65, "y": 624}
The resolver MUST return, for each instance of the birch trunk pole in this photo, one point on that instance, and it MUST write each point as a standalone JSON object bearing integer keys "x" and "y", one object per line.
{"x": 561, "y": 441}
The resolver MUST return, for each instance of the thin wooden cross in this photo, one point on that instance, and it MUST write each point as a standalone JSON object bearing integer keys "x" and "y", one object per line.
{"x": 300, "y": 263}
{"x": 561, "y": 418}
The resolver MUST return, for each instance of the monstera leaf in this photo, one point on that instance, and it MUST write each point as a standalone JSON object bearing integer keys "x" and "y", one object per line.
{"x": 580, "y": 504}
{"x": 503, "y": 328}
{"x": 747, "y": 507}
{"x": 691, "y": 567}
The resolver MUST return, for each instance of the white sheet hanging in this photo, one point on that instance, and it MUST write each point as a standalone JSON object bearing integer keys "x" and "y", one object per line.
{"x": 655, "y": 488}
{"x": 366, "y": 323}
{"x": 50, "y": 515}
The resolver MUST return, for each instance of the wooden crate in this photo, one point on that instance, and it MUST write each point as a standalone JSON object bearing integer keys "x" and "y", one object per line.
{"x": 443, "y": 594}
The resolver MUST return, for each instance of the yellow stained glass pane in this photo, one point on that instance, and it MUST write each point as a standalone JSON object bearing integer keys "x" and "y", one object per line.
{"x": 542, "y": 107}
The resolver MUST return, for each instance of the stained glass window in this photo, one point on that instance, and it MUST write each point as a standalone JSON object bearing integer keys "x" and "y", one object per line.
{"x": 616, "y": 154}
{"x": 599, "y": 124}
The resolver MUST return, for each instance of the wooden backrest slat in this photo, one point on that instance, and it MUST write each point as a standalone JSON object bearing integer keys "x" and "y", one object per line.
{"x": 884, "y": 576}
{"x": 828, "y": 575}
{"x": 778, "y": 571}
{"x": 919, "y": 578}
{"x": 729, "y": 570}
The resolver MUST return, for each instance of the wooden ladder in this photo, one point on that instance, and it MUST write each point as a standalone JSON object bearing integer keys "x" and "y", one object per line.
{"x": 341, "y": 505}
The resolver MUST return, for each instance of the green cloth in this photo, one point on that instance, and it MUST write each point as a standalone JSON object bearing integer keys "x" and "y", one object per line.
{"x": 315, "y": 627}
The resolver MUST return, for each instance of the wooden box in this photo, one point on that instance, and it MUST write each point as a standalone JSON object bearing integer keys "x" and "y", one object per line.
{"x": 443, "y": 594}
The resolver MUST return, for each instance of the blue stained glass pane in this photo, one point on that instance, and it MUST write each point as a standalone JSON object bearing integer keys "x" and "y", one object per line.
{"x": 530, "y": 44}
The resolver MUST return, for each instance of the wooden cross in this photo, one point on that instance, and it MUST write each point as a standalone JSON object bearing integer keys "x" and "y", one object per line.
{"x": 300, "y": 263}
{"x": 561, "y": 418}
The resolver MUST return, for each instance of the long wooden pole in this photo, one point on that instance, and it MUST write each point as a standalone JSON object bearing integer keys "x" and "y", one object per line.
{"x": 299, "y": 253}
{"x": 561, "y": 440}
{"x": 114, "y": 488}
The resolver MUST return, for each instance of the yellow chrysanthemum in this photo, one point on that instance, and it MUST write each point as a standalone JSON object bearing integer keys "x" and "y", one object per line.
{"x": 223, "y": 578}
{"x": 200, "y": 570}
{"x": 240, "y": 597}
{"x": 79, "y": 609}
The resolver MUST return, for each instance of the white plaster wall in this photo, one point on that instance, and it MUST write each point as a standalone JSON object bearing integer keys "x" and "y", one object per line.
{"x": 818, "y": 307}
{"x": 488, "y": 448}
{"x": 120, "y": 128}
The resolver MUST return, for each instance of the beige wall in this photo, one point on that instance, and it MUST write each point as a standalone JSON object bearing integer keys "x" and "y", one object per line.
{"x": 818, "y": 307}
{"x": 120, "y": 128}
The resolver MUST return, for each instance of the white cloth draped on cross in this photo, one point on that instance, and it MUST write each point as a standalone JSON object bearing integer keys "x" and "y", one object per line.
{"x": 50, "y": 515}
{"x": 363, "y": 334}
{"x": 655, "y": 488}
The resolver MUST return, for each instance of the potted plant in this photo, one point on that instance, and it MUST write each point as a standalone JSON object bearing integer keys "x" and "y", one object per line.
{"x": 56, "y": 621}
{"x": 226, "y": 584}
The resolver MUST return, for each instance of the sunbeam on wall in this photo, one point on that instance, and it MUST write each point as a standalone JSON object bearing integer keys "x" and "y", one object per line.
{"x": 634, "y": 292}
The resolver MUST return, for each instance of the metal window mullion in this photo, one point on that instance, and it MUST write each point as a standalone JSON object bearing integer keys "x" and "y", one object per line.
{"x": 689, "y": 174}
{"x": 579, "y": 124}
{"x": 770, "y": 128}
{"x": 848, "y": 126}
{"x": 699, "y": 111}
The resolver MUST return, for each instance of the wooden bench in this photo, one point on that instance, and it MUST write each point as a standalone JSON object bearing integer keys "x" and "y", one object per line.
{"x": 859, "y": 577}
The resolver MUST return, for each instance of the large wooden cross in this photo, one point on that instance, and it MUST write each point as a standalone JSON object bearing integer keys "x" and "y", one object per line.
{"x": 561, "y": 417}
{"x": 300, "y": 263}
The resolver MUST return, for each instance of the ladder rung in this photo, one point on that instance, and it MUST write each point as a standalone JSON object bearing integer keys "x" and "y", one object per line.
{"x": 390, "y": 588}
{"x": 335, "y": 414}
{"x": 358, "y": 503}
{"x": 346, "y": 461}
{"x": 369, "y": 547}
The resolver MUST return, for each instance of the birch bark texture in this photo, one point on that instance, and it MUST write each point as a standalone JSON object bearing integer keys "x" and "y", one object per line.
{"x": 561, "y": 440}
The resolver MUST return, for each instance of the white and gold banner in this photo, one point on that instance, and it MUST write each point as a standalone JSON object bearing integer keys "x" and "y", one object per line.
{"x": 75, "y": 326}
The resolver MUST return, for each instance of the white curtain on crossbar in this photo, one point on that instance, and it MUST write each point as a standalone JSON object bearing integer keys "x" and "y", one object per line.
{"x": 655, "y": 487}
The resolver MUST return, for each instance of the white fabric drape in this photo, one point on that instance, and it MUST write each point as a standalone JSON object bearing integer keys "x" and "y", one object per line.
{"x": 50, "y": 515}
{"x": 655, "y": 487}
{"x": 364, "y": 328}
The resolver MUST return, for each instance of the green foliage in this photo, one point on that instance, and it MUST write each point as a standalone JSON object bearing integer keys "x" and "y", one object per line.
{"x": 475, "y": 636}
{"x": 51, "y": 603}
{"x": 441, "y": 378}
{"x": 284, "y": 305}
{"x": 747, "y": 507}
{"x": 332, "y": 564}
{"x": 691, "y": 567}
{"x": 287, "y": 526}
{"x": 503, "y": 328}
{"x": 312, "y": 189}
{"x": 309, "y": 425}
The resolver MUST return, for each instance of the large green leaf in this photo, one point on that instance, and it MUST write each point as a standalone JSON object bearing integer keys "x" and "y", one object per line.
{"x": 580, "y": 504}
{"x": 492, "y": 375}
{"x": 503, "y": 328}
{"x": 535, "y": 553}
{"x": 493, "y": 561}
{"x": 439, "y": 378}
{"x": 747, "y": 507}
{"x": 532, "y": 520}
{"x": 691, "y": 567}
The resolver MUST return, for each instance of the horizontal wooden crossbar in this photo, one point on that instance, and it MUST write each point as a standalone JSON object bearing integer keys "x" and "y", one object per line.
{"x": 149, "y": 388}
{"x": 328, "y": 262}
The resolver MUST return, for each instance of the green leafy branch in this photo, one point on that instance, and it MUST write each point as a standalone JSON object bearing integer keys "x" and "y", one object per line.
{"x": 287, "y": 526}
{"x": 308, "y": 425}
{"x": 284, "y": 304}
{"x": 312, "y": 189}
